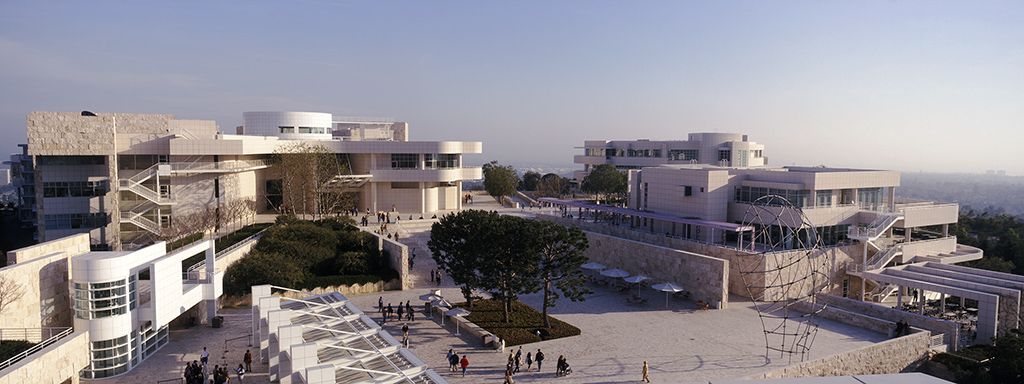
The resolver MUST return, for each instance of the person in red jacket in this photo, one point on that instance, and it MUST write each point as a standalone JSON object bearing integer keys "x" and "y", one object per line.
{"x": 464, "y": 363}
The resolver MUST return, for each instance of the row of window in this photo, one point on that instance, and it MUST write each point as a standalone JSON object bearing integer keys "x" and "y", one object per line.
{"x": 866, "y": 197}
{"x": 96, "y": 301}
{"x": 430, "y": 161}
{"x": 319, "y": 130}
{"x": 71, "y": 160}
{"x": 76, "y": 220}
{"x": 75, "y": 188}
{"x": 683, "y": 154}
{"x": 125, "y": 162}
{"x": 799, "y": 198}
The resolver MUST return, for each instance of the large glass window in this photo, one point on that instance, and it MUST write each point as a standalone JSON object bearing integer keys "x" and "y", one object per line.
{"x": 823, "y": 198}
{"x": 109, "y": 358}
{"x": 405, "y": 161}
{"x": 870, "y": 198}
{"x": 724, "y": 155}
{"x": 96, "y": 301}
{"x": 125, "y": 162}
{"x": 801, "y": 198}
{"x": 682, "y": 154}
{"x": 76, "y": 220}
{"x": 71, "y": 160}
{"x": 74, "y": 188}
{"x": 440, "y": 161}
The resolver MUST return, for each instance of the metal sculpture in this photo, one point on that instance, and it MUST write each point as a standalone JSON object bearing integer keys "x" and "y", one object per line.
{"x": 786, "y": 266}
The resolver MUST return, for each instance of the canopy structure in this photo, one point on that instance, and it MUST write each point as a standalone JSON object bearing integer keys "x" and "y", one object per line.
{"x": 711, "y": 225}
{"x": 593, "y": 266}
{"x": 636, "y": 280}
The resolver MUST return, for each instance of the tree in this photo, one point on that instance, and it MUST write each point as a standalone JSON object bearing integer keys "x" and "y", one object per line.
{"x": 530, "y": 181}
{"x": 605, "y": 180}
{"x": 509, "y": 256}
{"x": 510, "y": 268}
{"x": 311, "y": 179}
{"x": 500, "y": 180}
{"x": 552, "y": 185}
{"x": 561, "y": 250}
{"x": 10, "y": 291}
{"x": 459, "y": 248}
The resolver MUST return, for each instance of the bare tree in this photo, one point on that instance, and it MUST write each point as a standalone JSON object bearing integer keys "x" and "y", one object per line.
{"x": 10, "y": 291}
{"x": 310, "y": 176}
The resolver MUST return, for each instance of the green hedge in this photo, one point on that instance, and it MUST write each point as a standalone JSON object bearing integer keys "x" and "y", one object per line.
{"x": 184, "y": 241}
{"x": 339, "y": 280}
{"x": 11, "y": 348}
{"x": 239, "y": 235}
{"x": 524, "y": 323}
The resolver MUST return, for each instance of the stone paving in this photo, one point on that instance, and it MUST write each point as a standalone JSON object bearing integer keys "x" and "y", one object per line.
{"x": 680, "y": 343}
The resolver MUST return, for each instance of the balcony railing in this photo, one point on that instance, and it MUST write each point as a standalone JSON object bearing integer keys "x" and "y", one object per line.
{"x": 45, "y": 337}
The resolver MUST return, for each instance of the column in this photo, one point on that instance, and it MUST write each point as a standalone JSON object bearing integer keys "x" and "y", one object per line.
{"x": 211, "y": 266}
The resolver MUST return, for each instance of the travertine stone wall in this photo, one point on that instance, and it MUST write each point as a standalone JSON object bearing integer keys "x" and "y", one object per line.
{"x": 55, "y": 364}
{"x": 399, "y": 258}
{"x": 704, "y": 277}
{"x": 887, "y": 316}
{"x": 832, "y": 261}
{"x": 43, "y": 272}
{"x": 903, "y": 354}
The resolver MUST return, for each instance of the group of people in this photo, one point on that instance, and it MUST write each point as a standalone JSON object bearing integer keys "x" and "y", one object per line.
{"x": 196, "y": 371}
{"x": 389, "y": 312}
{"x": 902, "y": 328}
{"x": 454, "y": 362}
{"x": 516, "y": 360}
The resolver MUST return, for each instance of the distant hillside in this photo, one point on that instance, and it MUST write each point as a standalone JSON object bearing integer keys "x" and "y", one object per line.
{"x": 977, "y": 192}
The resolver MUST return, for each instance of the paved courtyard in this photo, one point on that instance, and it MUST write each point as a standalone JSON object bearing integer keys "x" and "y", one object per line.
{"x": 680, "y": 343}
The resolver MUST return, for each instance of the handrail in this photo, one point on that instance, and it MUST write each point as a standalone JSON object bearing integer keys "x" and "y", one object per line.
{"x": 224, "y": 252}
{"x": 35, "y": 348}
{"x": 881, "y": 258}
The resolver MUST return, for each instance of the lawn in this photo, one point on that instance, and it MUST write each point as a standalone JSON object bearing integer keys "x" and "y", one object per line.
{"x": 523, "y": 326}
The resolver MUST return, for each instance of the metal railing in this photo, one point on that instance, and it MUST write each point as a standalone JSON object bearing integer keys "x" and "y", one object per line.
{"x": 938, "y": 340}
{"x": 226, "y": 166}
{"x": 881, "y": 258}
{"x": 882, "y": 222}
{"x": 26, "y": 334}
{"x": 220, "y": 254}
{"x": 199, "y": 276}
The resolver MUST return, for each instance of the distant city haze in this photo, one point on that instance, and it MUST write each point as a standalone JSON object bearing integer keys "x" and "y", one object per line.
{"x": 934, "y": 86}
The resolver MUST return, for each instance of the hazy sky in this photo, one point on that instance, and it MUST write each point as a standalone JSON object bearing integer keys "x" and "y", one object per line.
{"x": 907, "y": 85}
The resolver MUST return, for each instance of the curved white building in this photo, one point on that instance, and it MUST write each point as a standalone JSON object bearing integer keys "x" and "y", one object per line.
{"x": 288, "y": 125}
{"x": 126, "y": 300}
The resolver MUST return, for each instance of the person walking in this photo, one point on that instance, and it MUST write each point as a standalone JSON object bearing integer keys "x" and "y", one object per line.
{"x": 529, "y": 361}
{"x": 645, "y": 379}
{"x": 204, "y": 357}
{"x": 448, "y": 358}
{"x": 401, "y": 311}
{"x": 539, "y": 358}
{"x": 464, "y": 363}
{"x": 247, "y": 359}
{"x": 405, "y": 334}
{"x": 380, "y": 304}
{"x": 240, "y": 371}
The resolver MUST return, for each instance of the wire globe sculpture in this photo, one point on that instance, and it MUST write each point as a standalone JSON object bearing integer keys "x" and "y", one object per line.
{"x": 785, "y": 267}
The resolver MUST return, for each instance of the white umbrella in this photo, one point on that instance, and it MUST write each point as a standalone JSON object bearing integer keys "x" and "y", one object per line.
{"x": 440, "y": 303}
{"x": 616, "y": 273}
{"x": 594, "y": 266}
{"x": 669, "y": 289}
{"x": 457, "y": 312}
{"x": 636, "y": 279}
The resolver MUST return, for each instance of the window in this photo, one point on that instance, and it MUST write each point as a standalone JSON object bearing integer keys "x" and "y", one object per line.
{"x": 870, "y": 198}
{"x": 742, "y": 158}
{"x": 724, "y": 155}
{"x": 823, "y": 198}
{"x": 71, "y": 160}
{"x": 682, "y": 154}
{"x": 799, "y": 198}
{"x": 74, "y": 188}
{"x": 286, "y": 129}
{"x": 96, "y": 301}
{"x": 440, "y": 161}
{"x": 126, "y": 162}
{"x": 405, "y": 161}
{"x": 75, "y": 220}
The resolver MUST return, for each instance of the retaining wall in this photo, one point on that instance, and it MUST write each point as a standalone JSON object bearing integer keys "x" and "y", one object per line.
{"x": 903, "y": 354}
{"x": 56, "y": 364}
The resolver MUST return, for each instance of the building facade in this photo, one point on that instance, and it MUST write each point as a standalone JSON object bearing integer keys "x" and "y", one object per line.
{"x": 727, "y": 149}
{"x": 127, "y": 178}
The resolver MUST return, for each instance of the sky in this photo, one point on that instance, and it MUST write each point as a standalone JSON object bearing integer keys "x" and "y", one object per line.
{"x": 933, "y": 86}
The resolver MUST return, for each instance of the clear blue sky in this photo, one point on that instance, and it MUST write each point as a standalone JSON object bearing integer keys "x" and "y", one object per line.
{"x": 907, "y": 85}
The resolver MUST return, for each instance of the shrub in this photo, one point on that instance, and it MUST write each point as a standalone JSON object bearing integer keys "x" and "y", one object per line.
{"x": 10, "y": 348}
{"x": 524, "y": 323}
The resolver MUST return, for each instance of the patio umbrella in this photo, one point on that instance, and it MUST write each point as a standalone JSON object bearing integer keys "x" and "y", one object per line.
{"x": 616, "y": 273}
{"x": 593, "y": 266}
{"x": 440, "y": 303}
{"x": 669, "y": 289}
{"x": 635, "y": 280}
{"x": 457, "y": 312}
